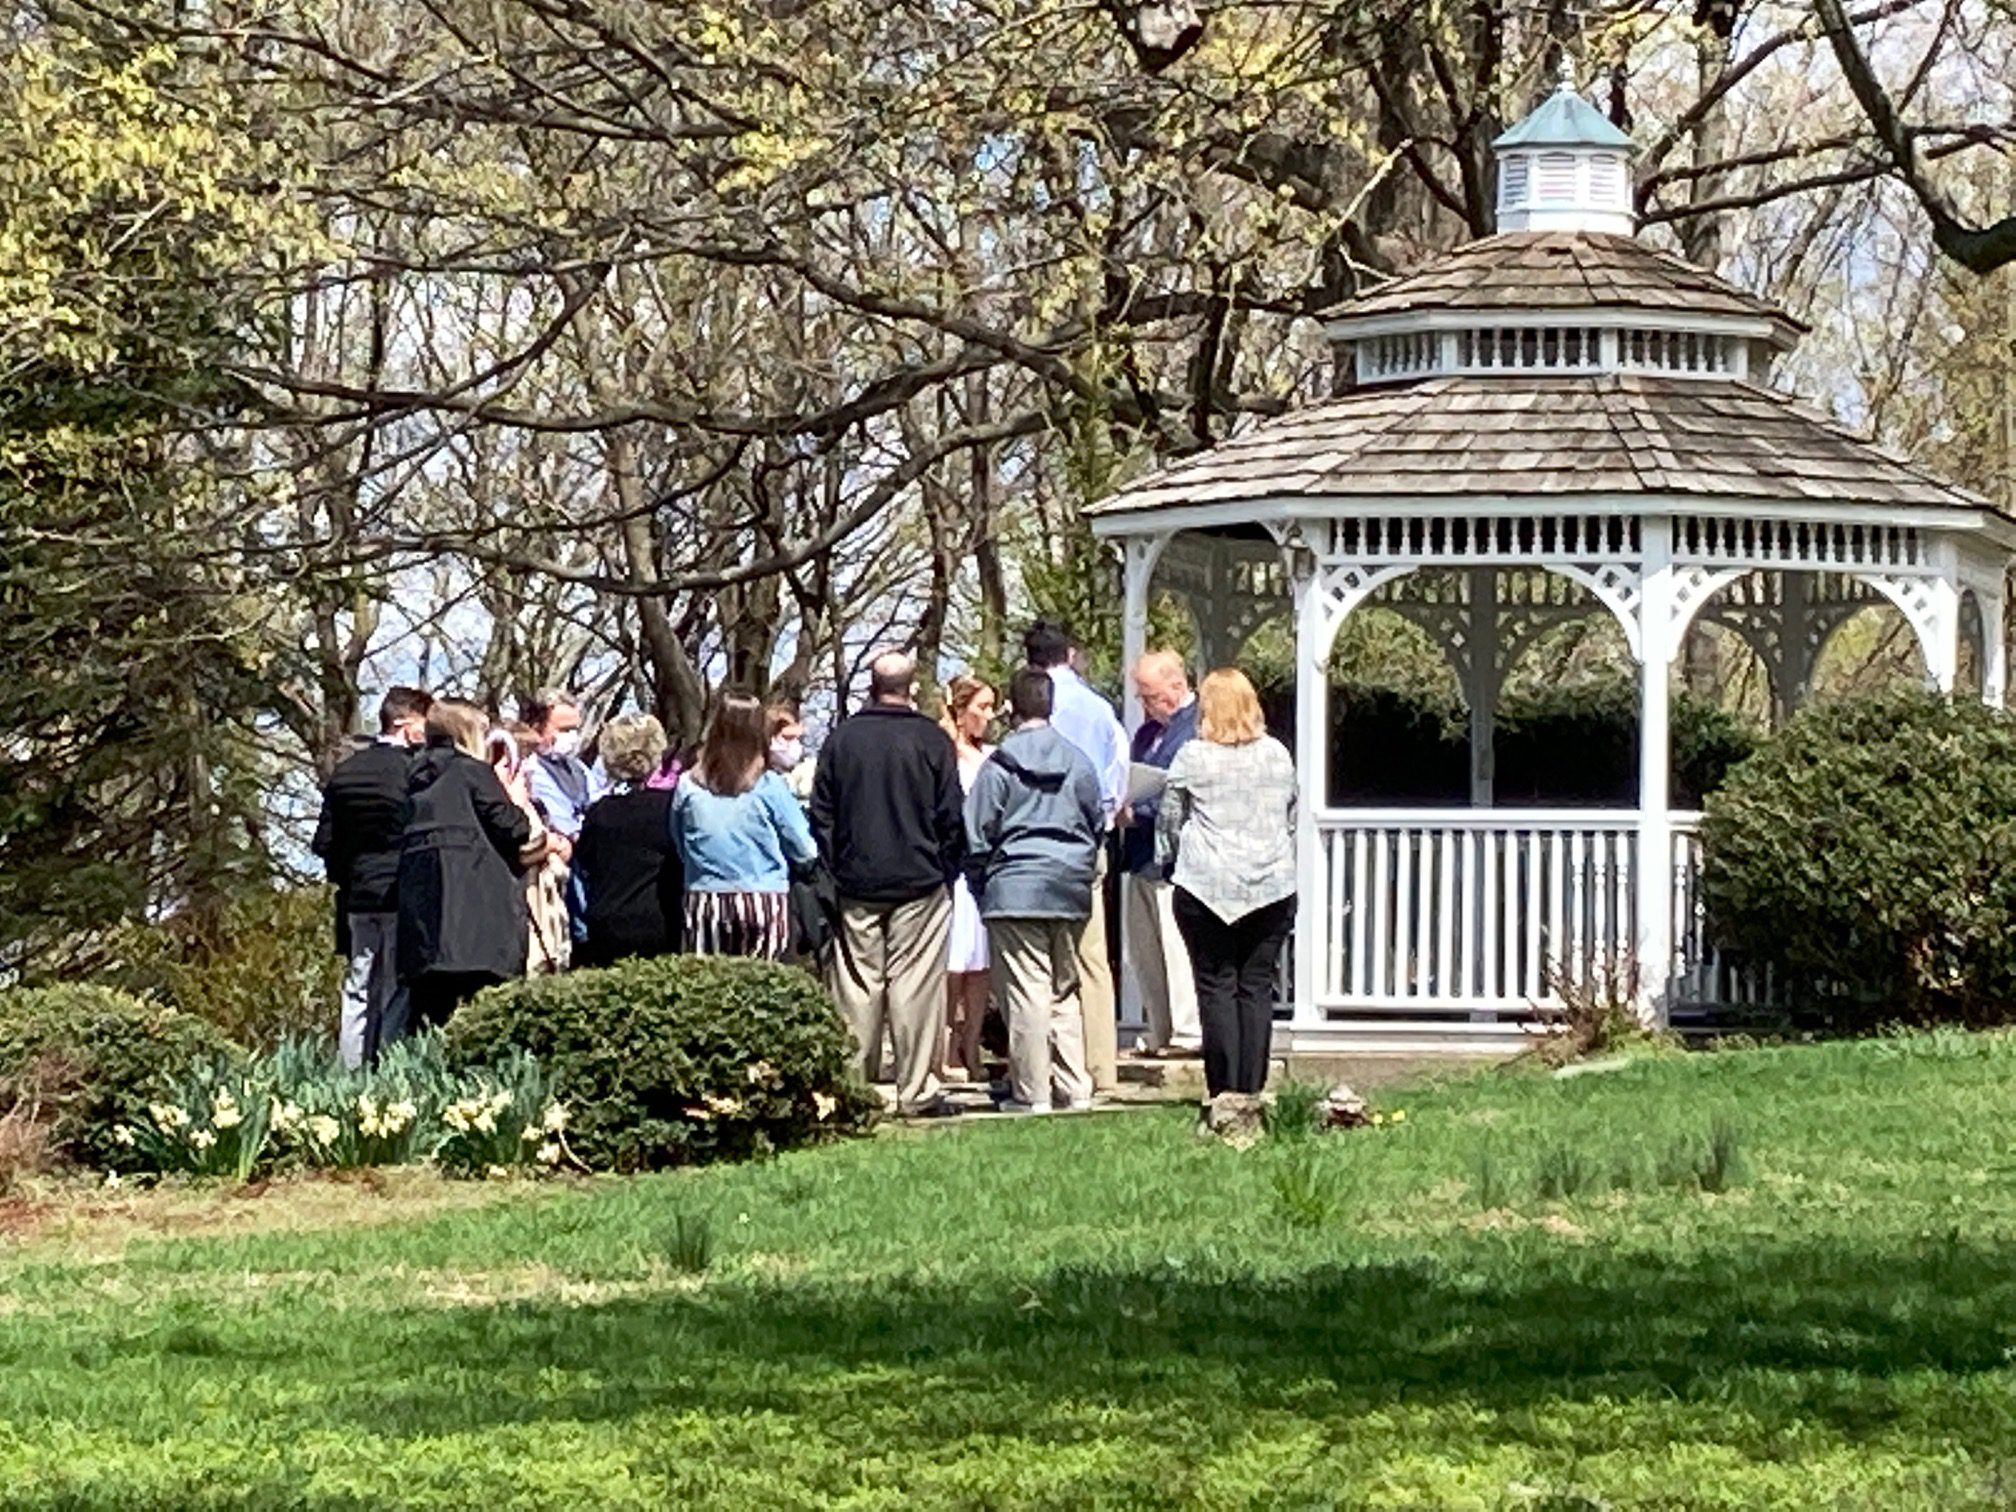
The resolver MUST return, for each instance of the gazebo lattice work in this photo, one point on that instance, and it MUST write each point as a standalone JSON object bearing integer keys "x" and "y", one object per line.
{"x": 1556, "y": 399}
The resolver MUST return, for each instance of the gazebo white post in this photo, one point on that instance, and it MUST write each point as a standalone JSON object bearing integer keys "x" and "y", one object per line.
{"x": 1312, "y": 766}
{"x": 1940, "y": 636}
{"x": 1655, "y": 820}
{"x": 1994, "y": 647}
{"x": 1139, "y": 555}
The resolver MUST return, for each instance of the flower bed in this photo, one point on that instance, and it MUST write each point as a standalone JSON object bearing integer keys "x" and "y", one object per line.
{"x": 296, "y": 1109}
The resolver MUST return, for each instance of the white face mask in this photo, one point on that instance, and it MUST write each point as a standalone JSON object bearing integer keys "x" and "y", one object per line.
{"x": 786, "y": 754}
{"x": 567, "y": 743}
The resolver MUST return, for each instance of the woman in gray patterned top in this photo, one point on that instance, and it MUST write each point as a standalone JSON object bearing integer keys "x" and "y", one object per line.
{"x": 1228, "y": 824}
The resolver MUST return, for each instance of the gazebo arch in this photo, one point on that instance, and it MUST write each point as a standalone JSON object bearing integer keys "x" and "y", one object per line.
{"x": 1562, "y": 397}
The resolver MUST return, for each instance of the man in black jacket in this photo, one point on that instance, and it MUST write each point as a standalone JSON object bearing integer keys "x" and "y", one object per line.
{"x": 887, "y": 812}
{"x": 357, "y": 837}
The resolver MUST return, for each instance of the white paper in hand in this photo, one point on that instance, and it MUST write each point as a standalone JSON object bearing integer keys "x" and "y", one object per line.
{"x": 1145, "y": 783}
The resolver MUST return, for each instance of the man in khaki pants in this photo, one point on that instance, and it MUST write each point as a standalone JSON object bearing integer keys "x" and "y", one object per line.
{"x": 1156, "y": 953}
{"x": 887, "y": 812}
{"x": 1087, "y": 721}
{"x": 1033, "y": 822}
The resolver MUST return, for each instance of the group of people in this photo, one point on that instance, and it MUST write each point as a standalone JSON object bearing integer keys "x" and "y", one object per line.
{"x": 928, "y": 872}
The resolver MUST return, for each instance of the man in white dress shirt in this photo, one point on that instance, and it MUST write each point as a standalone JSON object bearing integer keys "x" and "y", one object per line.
{"x": 1087, "y": 721}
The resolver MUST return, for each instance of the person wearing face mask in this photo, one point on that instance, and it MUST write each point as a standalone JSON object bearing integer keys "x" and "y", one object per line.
{"x": 357, "y": 838}
{"x": 787, "y": 743}
{"x": 815, "y": 908}
{"x": 561, "y": 783}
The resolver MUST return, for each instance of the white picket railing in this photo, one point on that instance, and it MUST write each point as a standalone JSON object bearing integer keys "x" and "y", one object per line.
{"x": 1478, "y": 912}
{"x": 1448, "y": 926}
{"x": 1702, "y": 977}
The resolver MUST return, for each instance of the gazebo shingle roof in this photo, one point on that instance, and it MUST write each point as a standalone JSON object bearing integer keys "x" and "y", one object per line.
{"x": 1549, "y": 435}
{"x": 1561, "y": 270}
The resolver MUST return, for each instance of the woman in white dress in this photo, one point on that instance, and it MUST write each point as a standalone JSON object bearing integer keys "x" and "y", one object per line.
{"x": 969, "y": 711}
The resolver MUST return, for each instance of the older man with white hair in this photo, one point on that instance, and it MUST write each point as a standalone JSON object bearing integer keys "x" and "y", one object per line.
{"x": 889, "y": 814}
{"x": 1156, "y": 955}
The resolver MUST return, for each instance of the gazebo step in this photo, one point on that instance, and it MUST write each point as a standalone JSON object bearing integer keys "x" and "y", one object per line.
{"x": 1388, "y": 1037}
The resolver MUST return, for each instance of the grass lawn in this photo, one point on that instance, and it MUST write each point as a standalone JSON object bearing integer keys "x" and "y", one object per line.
{"x": 1086, "y": 1312}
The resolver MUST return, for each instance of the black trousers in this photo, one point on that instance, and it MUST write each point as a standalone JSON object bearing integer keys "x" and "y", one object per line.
{"x": 1235, "y": 966}
{"x": 433, "y": 998}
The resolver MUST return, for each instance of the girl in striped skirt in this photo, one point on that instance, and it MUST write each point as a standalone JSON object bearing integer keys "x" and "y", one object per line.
{"x": 738, "y": 831}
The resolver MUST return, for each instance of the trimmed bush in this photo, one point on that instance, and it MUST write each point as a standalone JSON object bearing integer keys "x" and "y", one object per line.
{"x": 678, "y": 1060}
{"x": 263, "y": 968}
{"x": 98, "y": 1058}
{"x": 1868, "y": 854}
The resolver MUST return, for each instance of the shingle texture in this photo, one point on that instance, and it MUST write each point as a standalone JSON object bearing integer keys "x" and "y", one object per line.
{"x": 1548, "y": 435}
{"x": 1561, "y": 270}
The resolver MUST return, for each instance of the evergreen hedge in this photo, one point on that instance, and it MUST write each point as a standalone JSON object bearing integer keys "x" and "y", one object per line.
{"x": 91, "y": 1059}
{"x": 1867, "y": 853}
{"x": 678, "y": 1060}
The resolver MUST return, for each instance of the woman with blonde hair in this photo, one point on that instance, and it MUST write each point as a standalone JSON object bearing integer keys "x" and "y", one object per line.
{"x": 462, "y": 922}
{"x": 969, "y": 713}
{"x": 1227, "y": 824}
{"x": 738, "y": 832}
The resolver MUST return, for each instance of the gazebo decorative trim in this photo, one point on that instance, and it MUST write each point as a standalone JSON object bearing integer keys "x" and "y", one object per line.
{"x": 1621, "y": 459}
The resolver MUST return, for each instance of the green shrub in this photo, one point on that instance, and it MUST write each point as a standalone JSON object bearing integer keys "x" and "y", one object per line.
{"x": 102, "y": 1056}
{"x": 263, "y": 968}
{"x": 677, "y": 1060}
{"x": 1868, "y": 854}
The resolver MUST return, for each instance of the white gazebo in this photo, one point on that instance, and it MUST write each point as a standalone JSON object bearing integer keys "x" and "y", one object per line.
{"x": 1552, "y": 422}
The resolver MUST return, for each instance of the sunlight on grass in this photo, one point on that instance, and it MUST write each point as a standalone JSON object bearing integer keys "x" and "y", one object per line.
{"x": 1091, "y": 1312}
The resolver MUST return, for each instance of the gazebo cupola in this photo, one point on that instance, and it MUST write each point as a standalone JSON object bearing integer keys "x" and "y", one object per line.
{"x": 1555, "y": 422}
{"x": 1565, "y": 168}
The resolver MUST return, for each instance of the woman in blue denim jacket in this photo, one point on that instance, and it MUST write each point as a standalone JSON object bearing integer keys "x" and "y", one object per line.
{"x": 738, "y": 831}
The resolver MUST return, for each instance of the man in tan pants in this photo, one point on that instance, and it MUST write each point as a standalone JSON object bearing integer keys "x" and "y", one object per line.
{"x": 1156, "y": 953}
{"x": 1033, "y": 822}
{"x": 887, "y": 812}
{"x": 1087, "y": 721}
{"x": 889, "y": 968}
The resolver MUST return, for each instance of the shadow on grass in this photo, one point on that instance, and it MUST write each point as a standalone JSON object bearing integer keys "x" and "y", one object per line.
{"x": 1840, "y": 1340}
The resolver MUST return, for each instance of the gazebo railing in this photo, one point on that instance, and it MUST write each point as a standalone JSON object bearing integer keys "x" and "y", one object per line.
{"x": 1469, "y": 911}
{"x": 1470, "y": 920}
{"x": 1703, "y": 977}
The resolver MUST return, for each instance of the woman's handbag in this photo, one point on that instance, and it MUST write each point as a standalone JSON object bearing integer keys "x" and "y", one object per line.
{"x": 814, "y": 906}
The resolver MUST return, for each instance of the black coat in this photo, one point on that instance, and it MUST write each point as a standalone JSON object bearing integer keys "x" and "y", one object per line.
{"x": 363, "y": 818}
{"x": 461, "y": 909}
{"x": 630, "y": 876}
{"x": 887, "y": 807}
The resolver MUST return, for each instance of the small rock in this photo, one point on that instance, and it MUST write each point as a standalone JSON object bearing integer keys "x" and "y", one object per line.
{"x": 1342, "y": 1108}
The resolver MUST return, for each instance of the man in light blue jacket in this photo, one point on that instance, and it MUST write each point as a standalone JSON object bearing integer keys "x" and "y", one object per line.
{"x": 1034, "y": 820}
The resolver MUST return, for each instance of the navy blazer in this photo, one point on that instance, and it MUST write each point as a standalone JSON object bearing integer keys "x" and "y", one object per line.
{"x": 1155, "y": 744}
